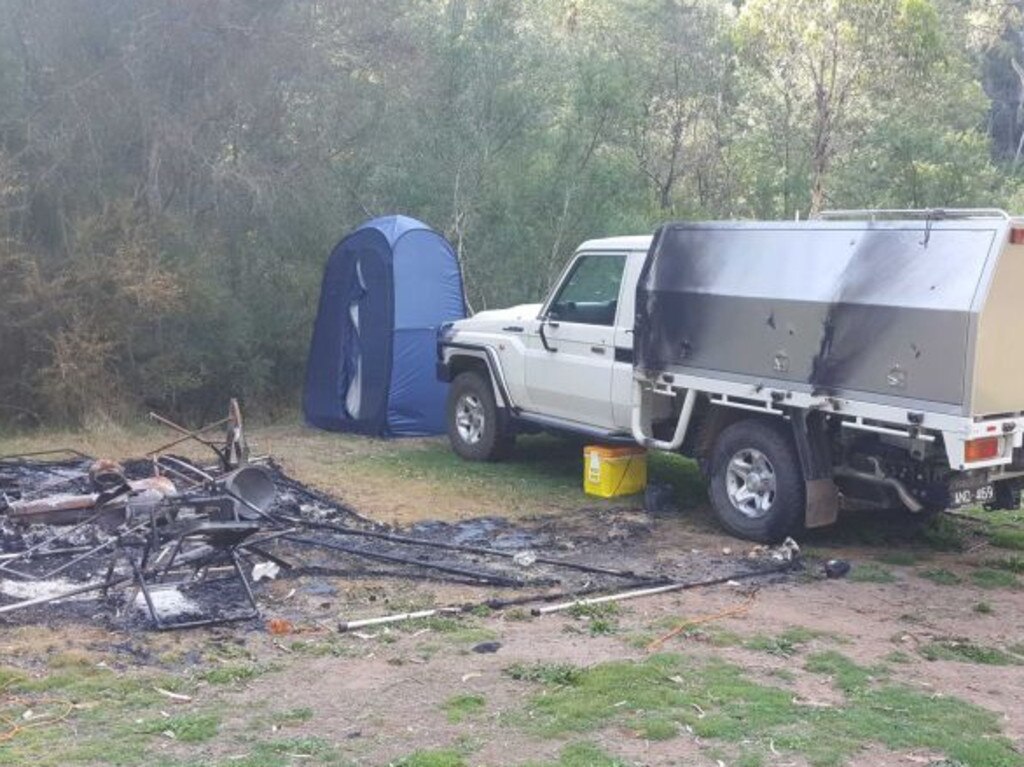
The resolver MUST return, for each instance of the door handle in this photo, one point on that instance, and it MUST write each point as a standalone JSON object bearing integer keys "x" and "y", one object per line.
{"x": 597, "y": 349}
{"x": 552, "y": 324}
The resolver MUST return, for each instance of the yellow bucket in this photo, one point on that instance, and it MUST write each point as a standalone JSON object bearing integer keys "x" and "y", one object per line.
{"x": 613, "y": 471}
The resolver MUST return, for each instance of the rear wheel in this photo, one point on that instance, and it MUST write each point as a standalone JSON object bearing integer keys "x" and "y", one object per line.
{"x": 476, "y": 430}
{"x": 756, "y": 484}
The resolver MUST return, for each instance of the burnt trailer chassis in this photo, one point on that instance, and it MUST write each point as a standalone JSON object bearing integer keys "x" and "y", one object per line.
{"x": 887, "y": 341}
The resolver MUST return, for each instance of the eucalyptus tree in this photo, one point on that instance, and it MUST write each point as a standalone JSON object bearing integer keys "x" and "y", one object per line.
{"x": 818, "y": 70}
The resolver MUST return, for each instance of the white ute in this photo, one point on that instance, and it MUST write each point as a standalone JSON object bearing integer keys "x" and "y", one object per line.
{"x": 869, "y": 359}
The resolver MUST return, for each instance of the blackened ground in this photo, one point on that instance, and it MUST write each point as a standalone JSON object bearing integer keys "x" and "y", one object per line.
{"x": 313, "y": 536}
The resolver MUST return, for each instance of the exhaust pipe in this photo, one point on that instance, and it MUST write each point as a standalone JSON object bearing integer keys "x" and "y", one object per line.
{"x": 880, "y": 478}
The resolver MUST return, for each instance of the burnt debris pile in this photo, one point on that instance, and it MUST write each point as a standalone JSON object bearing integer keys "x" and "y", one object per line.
{"x": 172, "y": 543}
{"x": 169, "y": 542}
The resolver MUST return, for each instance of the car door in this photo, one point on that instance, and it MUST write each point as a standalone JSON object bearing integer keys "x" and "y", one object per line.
{"x": 571, "y": 349}
{"x": 622, "y": 368}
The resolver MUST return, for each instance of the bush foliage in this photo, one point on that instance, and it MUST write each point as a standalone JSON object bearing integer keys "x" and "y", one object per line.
{"x": 173, "y": 174}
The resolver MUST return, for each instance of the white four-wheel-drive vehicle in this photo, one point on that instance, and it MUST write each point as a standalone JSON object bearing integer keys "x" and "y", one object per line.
{"x": 867, "y": 359}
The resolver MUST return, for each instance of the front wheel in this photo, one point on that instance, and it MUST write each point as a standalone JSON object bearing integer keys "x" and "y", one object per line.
{"x": 757, "y": 485}
{"x": 476, "y": 430}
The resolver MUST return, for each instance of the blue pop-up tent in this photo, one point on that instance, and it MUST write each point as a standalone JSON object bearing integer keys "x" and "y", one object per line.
{"x": 386, "y": 288}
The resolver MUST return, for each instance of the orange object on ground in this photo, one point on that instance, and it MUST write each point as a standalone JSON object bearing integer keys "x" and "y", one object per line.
{"x": 279, "y": 626}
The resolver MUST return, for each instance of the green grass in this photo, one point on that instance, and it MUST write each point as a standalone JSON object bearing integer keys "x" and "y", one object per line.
{"x": 586, "y": 755}
{"x": 718, "y": 637}
{"x": 291, "y": 716}
{"x": 894, "y": 531}
{"x": 111, "y": 718}
{"x": 339, "y": 646}
{"x": 655, "y": 728}
{"x": 581, "y": 754}
{"x": 555, "y": 674}
{"x": 898, "y": 558}
{"x": 845, "y": 674}
{"x": 717, "y": 701}
{"x": 1013, "y": 564}
{"x": 1007, "y": 538}
{"x": 117, "y": 718}
{"x": 517, "y": 614}
{"x": 941, "y": 576}
{"x": 870, "y": 572}
{"x": 453, "y": 629}
{"x": 460, "y": 630}
{"x": 993, "y": 579}
{"x": 966, "y": 651}
{"x": 897, "y": 656}
{"x": 901, "y": 718}
{"x": 461, "y": 707}
{"x": 783, "y": 674}
{"x": 784, "y": 645}
{"x": 285, "y": 752}
{"x": 943, "y": 533}
{"x": 706, "y": 634}
{"x": 600, "y": 618}
{"x": 544, "y": 470}
{"x": 233, "y": 674}
{"x": 444, "y": 757}
{"x": 187, "y": 728}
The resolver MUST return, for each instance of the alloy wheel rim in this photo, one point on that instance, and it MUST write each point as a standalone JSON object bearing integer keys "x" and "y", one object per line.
{"x": 470, "y": 419}
{"x": 750, "y": 483}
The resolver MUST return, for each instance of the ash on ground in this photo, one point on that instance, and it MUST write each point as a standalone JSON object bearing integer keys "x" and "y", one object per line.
{"x": 165, "y": 542}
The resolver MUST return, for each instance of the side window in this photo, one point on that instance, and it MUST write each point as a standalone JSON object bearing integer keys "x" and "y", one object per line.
{"x": 590, "y": 294}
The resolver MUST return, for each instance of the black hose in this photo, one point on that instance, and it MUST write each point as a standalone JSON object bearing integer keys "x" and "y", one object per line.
{"x": 412, "y": 541}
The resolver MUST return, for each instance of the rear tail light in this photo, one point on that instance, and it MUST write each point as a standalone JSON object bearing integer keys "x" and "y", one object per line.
{"x": 1016, "y": 236}
{"x": 981, "y": 449}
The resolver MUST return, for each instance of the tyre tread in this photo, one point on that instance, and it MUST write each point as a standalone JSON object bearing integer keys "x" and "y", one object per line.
{"x": 787, "y": 513}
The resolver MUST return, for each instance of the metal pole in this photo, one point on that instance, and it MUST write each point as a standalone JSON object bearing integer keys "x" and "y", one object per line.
{"x": 37, "y": 453}
{"x": 175, "y": 443}
{"x": 51, "y": 553}
{"x": 635, "y": 594}
{"x": 62, "y": 534}
{"x": 65, "y": 595}
{"x": 184, "y": 465}
{"x": 188, "y": 433}
{"x": 494, "y": 580}
{"x": 93, "y": 551}
{"x": 397, "y": 618}
{"x": 493, "y": 604}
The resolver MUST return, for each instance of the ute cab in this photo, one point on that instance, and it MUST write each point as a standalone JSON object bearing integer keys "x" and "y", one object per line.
{"x": 566, "y": 363}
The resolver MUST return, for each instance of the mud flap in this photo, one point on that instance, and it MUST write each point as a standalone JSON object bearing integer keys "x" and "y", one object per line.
{"x": 822, "y": 503}
{"x": 821, "y": 493}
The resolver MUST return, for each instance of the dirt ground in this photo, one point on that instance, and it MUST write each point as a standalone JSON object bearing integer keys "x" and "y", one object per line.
{"x": 438, "y": 692}
{"x": 386, "y": 702}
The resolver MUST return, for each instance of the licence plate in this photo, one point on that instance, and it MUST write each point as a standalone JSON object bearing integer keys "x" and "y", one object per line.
{"x": 971, "y": 496}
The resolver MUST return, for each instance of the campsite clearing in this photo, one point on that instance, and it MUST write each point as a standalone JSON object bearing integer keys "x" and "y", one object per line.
{"x": 913, "y": 659}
